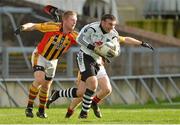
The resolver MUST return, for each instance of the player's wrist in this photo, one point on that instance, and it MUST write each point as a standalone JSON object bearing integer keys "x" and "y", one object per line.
{"x": 142, "y": 43}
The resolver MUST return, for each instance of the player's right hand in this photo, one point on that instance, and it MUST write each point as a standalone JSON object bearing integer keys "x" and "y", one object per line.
{"x": 18, "y": 30}
{"x": 52, "y": 11}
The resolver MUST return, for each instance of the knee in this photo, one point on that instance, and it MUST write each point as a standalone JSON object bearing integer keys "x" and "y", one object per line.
{"x": 40, "y": 80}
{"x": 80, "y": 93}
{"x": 46, "y": 86}
{"x": 93, "y": 88}
{"x": 92, "y": 84}
{"x": 108, "y": 90}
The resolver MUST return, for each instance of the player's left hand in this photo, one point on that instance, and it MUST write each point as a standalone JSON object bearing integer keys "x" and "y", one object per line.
{"x": 145, "y": 44}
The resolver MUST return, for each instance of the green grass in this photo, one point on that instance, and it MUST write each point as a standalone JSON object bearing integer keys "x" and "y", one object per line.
{"x": 119, "y": 114}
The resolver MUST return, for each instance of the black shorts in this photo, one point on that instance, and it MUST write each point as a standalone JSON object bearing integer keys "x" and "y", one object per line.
{"x": 87, "y": 65}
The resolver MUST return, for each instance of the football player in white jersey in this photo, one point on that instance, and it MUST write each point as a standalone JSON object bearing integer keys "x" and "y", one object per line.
{"x": 89, "y": 58}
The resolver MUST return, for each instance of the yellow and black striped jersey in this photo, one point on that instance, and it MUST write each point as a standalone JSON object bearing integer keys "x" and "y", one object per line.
{"x": 55, "y": 42}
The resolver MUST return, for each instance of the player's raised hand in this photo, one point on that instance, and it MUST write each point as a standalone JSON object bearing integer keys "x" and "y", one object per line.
{"x": 52, "y": 11}
{"x": 145, "y": 44}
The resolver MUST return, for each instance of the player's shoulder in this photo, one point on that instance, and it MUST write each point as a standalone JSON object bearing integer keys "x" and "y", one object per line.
{"x": 114, "y": 32}
{"x": 74, "y": 33}
{"x": 92, "y": 26}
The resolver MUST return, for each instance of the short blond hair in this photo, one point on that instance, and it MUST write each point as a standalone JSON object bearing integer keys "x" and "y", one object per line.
{"x": 68, "y": 13}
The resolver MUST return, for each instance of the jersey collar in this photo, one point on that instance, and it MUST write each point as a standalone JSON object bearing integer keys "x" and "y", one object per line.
{"x": 103, "y": 31}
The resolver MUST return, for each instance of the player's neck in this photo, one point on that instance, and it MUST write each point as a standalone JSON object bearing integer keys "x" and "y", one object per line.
{"x": 66, "y": 30}
{"x": 102, "y": 29}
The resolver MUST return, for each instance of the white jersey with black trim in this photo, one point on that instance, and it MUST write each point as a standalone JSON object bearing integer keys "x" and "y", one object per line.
{"x": 92, "y": 33}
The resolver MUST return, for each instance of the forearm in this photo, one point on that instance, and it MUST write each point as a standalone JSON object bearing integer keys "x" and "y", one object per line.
{"x": 132, "y": 41}
{"x": 29, "y": 27}
{"x": 42, "y": 27}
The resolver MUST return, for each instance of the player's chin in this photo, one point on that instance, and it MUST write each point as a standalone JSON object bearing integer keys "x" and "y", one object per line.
{"x": 72, "y": 28}
{"x": 108, "y": 30}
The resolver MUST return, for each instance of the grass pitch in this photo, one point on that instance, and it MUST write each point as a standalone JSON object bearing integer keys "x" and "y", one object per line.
{"x": 118, "y": 114}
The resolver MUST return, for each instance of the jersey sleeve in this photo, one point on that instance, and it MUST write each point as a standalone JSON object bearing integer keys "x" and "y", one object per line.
{"x": 121, "y": 39}
{"x": 48, "y": 26}
{"x": 84, "y": 37}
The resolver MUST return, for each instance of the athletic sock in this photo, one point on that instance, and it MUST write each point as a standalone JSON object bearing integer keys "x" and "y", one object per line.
{"x": 87, "y": 100}
{"x": 69, "y": 93}
{"x": 33, "y": 92}
{"x": 96, "y": 99}
{"x": 43, "y": 97}
{"x": 71, "y": 111}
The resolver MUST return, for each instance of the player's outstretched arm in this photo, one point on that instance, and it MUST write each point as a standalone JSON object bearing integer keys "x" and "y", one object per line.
{"x": 133, "y": 41}
{"x": 26, "y": 27}
{"x": 49, "y": 26}
{"x": 42, "y": 27}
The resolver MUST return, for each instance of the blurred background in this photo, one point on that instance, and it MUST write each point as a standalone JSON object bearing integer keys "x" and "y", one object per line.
{"x": 138, "y": 75}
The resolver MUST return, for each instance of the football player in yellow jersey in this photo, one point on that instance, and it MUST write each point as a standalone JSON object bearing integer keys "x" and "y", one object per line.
{"x": 58, "y": 37}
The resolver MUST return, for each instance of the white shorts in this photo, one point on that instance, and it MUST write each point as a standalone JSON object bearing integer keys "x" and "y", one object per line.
{"x": 101, "y": 73}
{"x": 49, "y": 66}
